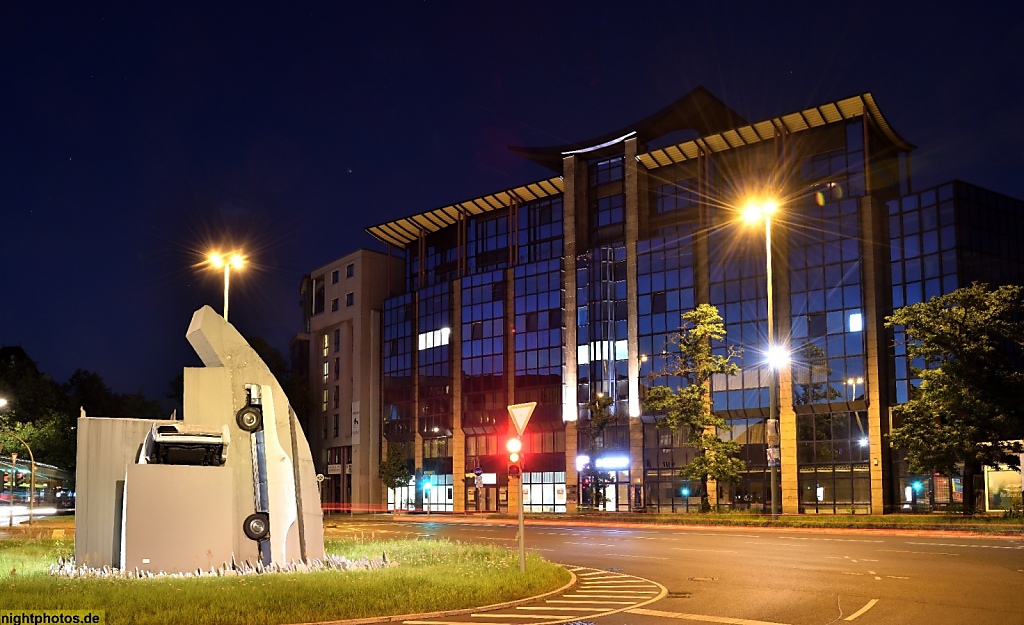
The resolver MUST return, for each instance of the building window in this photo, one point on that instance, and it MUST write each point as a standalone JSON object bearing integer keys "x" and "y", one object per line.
{"x": 326, "y": 370}
{"x": 327, "y": 344}
{"x": 350, "y": 270}
{"x": 334, "y": 277}
{"x": 334, "y": 305}
{"x": 337, "y": 396}
{"x": 323, "y": 408}
{"x": 336, "y": 421}
{"x": 337, "y": 340}
{"x": 350, "y": 298}
{"x": 337, "y": 368}
{"x": 435, "y": 338}
{"x": 325, "y": 425}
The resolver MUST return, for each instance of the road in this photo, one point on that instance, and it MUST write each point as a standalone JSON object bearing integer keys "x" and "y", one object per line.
{"x": 753, "y": 576}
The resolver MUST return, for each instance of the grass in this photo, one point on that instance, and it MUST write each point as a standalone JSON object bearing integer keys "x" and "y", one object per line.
{"x": 430, "y": 576}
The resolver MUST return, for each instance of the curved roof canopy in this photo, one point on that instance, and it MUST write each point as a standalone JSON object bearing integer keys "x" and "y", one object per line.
{"x": 848, "y": 108}
{"x": 402, "y": 232}
{"x": 698, "y": 107}
{"x": 698, "y": 110}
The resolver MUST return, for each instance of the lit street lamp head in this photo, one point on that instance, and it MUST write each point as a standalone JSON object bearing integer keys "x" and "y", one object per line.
{"x": 234, "y": 260}
{"x": 756, "y": 210}
{"x": 777, "y": 357}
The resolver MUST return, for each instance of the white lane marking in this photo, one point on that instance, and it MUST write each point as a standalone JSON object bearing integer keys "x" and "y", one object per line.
{"x": 708, "y": 550}
{"x": 554, "y": 608}
{"x": 717, "y": 534}
{"x": 589, "y": 601}
{"x": 591, "y": 544}
{"x": 533, "y": 616}
{"x": 929, "y": 553}
{"x": 971, "y": 546}
{"x": 626, "y": 555}
{"x": 448, "y": 623}
{"x": 861, "y": 611}
{"x": 700, "y": 617}
{"x": 603, "y": 592}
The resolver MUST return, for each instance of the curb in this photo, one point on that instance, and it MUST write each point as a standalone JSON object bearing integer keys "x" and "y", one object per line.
{"x": 950, "y": 532}
{"x": 427, "y": 615}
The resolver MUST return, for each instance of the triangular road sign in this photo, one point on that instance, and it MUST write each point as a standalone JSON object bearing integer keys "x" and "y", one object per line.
{"x": 520, "y": 414}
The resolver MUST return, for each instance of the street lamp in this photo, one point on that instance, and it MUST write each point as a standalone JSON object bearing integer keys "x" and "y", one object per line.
{"x": 854, "y": 382}
{"x": 226, "y": 262}
{"x": 14, "y": 474}
{"x": 754, "y": 211}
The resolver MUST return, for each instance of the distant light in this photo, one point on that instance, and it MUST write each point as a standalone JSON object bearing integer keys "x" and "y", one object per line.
{"x": 3, "y": 402}
{"x": 917, "y": 486}
{"x": 427, "y": 486}
{"x": 582, "y": 462}
{"x": 863, "y": 442}
{"x": 777, "y": 356}
{"x": 686, "y": 492}
{"x": 612, "y": 463}
{"x": 855, "y": 322}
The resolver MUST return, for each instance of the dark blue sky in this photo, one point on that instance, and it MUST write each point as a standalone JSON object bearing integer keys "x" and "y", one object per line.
{"x": 134, "y": 137}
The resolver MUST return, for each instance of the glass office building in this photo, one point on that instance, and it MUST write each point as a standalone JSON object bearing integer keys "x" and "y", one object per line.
{"x": 571, "y": 287}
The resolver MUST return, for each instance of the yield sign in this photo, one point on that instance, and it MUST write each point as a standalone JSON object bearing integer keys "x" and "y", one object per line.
{"x": 520, "y": 414}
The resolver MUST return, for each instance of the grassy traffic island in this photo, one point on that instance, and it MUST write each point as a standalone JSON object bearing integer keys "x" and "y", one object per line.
{"x": 425, "y": 576}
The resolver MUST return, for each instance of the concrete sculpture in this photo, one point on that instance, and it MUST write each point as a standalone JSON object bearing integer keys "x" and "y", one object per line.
{"x": 234, "y": 481}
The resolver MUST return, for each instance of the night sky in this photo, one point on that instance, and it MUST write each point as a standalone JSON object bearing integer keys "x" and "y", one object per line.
{"x": 134, "y": 138}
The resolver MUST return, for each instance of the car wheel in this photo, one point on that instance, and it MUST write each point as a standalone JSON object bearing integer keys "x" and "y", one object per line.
{"x": 256, "y": 526}
{"x": 250, "y": 419}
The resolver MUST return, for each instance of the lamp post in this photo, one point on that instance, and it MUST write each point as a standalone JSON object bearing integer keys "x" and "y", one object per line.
{"x": 32, "y": 479}
{"x": 226, "y": 262}
{"x": 776, "y": 356}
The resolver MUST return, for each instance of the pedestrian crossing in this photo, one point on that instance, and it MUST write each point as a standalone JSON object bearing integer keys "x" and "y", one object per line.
{"x": 596, "y": 593}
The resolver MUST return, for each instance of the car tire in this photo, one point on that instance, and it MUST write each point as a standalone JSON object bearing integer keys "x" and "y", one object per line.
{"x": 256, "y": 526}
{"x": 250, "y": 419}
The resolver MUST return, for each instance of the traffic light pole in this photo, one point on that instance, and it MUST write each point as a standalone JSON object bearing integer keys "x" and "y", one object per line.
{"x": 522, "y": 528}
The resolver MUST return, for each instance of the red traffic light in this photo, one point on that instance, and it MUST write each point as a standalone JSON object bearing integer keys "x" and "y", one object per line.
{"x": 514, "y": 470}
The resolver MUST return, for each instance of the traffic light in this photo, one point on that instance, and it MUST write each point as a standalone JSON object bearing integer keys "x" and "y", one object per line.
{"x": 515, "y": 467}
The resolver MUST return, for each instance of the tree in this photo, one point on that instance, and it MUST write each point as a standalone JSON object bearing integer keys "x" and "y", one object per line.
{"x": 599, "y": 408}
{"x": 688, "y": 407}
{"x": 394, "y": 469}
{"x": 966, "y": 348}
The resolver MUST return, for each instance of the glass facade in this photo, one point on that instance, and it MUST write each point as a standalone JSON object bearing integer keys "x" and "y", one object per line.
{"x": 503, "y": 258}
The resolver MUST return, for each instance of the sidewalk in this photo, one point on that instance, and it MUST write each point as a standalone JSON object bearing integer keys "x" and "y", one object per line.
{"x": 920, "y": 525}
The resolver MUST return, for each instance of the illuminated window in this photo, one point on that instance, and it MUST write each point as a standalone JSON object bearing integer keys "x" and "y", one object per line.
{"x": 855, "y": 323}
{"x": 323, "y": 408}
{"x": 327, "y": 344}
{"x": 327, "y": 370}
{"x": 436, "y": 338}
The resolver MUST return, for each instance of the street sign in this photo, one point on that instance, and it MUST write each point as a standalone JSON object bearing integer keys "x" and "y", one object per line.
{"x": 520, "y": 414}
{"x": 478, "y": 471}
{"x": 478, "y": 481}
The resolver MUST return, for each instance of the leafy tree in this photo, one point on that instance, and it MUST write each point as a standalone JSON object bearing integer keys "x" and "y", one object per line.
{"x": 601, "y": 416}
{"x": 967, "y": 348}
{"x": 394, "y": 470}
{"x": 688, "y": 408}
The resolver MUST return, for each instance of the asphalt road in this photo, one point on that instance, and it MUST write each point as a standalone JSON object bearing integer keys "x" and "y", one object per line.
{"x": 760, "y": 576}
